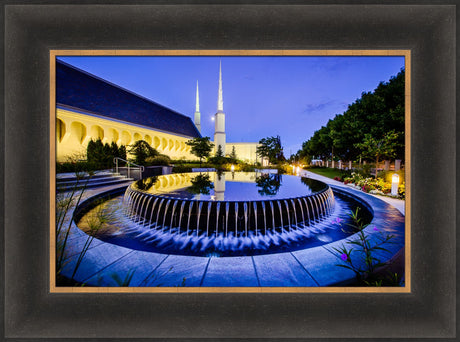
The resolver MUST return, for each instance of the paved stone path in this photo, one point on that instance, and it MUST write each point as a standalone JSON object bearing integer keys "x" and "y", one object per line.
{"x": 106, "y": 264}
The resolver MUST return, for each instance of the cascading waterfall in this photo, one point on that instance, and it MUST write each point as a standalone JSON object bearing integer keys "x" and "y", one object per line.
{"x": 198, "y": 218}
{"x": 200, "y": 224}
{"x": 176, "y": 214}
{"x": 172, "y": 216}
{"x": 227, "y": 206}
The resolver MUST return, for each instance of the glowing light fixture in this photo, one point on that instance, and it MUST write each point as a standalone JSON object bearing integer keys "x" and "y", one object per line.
{"x": 232, "y": 168}
{"x": 394, "y": 184}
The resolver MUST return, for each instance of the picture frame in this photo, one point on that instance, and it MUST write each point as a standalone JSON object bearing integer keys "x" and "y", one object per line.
{"x": 228, "y": 287}
{"x": 32, "y": 30}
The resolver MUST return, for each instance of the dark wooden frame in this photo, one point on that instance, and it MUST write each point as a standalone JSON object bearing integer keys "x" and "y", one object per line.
{"x": 32, "y": 30}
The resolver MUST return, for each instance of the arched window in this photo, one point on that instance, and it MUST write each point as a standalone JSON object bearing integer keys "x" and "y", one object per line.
{"x": 156, "y": 142}
{"x": 97, "y": 132}
{"x": 148, "y": 139}
{"x": 77, "y": 132}
{"x": 113, "y": 135}
{"x": 137, "y": 137}
{"x": 60, "y": 130}
{"x": 125, "y": 138}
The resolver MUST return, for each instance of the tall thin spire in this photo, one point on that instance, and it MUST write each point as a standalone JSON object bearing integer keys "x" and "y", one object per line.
{"x": 220, "y": 100}
{"x": 219, "y": 118}
{"x": 197, "y": 110}
{"x": 197, "y": 106}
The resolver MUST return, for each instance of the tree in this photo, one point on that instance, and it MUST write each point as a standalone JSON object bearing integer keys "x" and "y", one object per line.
{"x": 94, "y": 153}
{"x": 201, "y": 184}
{"x": 200, "y": 147}
{"x": 103, "y": 154}
{"x": 271, "y": 148}
{"x": 378, "y": 148}
{"x": 374, "y": 113}
{"x": 141, "y": 150}
{"x": 122, "y": 152}
{"x": 268, "y": 184}
{"x": 233, "y": 154}
{"x": 218, "y": 157}
{"x": 219, "y": 152}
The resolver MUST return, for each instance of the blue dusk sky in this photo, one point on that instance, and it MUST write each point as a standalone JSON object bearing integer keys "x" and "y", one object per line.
{"x": 263, "y": 96}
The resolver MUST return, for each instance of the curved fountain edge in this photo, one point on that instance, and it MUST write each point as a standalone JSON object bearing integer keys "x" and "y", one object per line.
{"x": 316, "y": 266}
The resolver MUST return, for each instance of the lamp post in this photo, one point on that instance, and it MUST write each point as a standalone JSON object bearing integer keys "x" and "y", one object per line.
{"x": 394, "y": 184}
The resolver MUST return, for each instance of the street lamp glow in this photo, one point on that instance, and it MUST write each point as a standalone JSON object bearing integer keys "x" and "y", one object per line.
{"x": 394, "y": 184}
{"x": 232, "y": 168}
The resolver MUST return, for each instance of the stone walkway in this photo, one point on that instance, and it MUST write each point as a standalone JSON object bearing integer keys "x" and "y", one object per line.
{"x": 109, "y": 265}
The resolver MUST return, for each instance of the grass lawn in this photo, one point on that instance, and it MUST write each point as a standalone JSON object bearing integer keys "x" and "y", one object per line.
{"x": 327, "y": 172}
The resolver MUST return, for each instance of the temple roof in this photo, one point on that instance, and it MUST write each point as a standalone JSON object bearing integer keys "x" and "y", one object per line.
{"x": 78, "y": 89}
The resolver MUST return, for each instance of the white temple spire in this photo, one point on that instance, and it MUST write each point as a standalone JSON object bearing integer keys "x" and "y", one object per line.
{"x": 197, "y": 106}
{"x": 219, "y": 118}
{"x": 220, "y": 99}
{"x": 197, "y": 110}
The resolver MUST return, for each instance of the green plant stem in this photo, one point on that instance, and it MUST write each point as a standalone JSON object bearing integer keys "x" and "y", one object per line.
{"x": 59, "y": 265}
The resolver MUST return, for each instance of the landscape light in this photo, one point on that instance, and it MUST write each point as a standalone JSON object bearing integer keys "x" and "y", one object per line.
{"x": 394, "y": 184}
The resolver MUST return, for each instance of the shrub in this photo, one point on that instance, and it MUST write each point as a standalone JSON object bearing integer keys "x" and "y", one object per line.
{"x": 247, "y": 168}
{"x": 158, "y": 160}
{"x": 100, "y": 156}
{"x": 142, "y": 150}
{"x": 402, "y": 190}
{"x": 345, "y": 173}
{"x": 365, "y": 170}
{"x": 284, "y": 168}
{"x": 77, "y": 167}
{"x": 218, "y": 160}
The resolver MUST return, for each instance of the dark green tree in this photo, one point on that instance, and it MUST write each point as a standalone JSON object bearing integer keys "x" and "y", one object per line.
{"x": 219, "y": 152}
{"x": 374, "y": 113}
{"x": 122, "y": 152}
{"x": 95, "y": 152}
{"x": 107, "y": 155}
{"x": 201, "y": 184}
{"x": 218, "y": 157}
{"x": 379, "y": 148}
{"x": 271, "y": 148}
{"x": 200, "y": 147}
{"x": 142, "y": 150}
{"x": 233, "y": 154}
{"x": 114, "y": 149}
{"x": 268, "y": 185}
{"x": 102, "y": 154}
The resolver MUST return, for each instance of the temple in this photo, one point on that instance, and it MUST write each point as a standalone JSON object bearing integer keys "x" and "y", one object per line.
{"x": 90, "y": 108}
